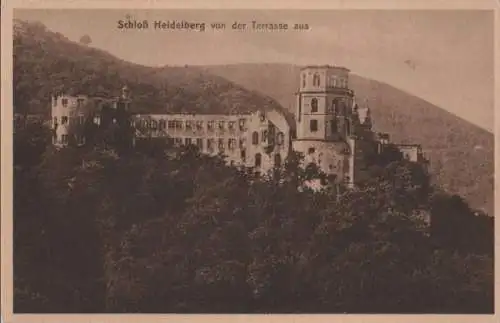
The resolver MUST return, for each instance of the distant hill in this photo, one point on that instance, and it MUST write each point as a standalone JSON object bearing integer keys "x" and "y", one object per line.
{"x": 45, "y": 62}
{"x": 461, "y": 154}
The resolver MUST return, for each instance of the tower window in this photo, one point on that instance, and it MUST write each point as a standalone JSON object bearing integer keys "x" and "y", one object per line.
{"x": 280, "y": 138}
{"x": 314, "y": 105}
{"x": 313, "y": 125}
{"x": 277, "y": 160}
{"x": 333, "y": 126}
{"x": 258, "y": 160}
{"x": 255, "y": 138}
{"x": 316, "y": 80}
{"x": 264, "y": 135}
{"x": 335, "y": 107}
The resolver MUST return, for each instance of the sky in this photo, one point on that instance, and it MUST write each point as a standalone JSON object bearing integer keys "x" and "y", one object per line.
{"x": 442, "y": 56}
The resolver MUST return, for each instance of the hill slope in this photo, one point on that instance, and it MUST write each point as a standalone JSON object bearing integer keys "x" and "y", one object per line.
{"x": 45, "y": 62}
{"x": 461, "y": 153}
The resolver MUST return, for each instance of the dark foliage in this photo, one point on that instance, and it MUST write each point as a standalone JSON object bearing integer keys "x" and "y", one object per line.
{"x": 171, "y": 230}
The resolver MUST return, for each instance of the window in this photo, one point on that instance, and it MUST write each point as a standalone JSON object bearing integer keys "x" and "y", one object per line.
{"x": 162, "y": 124}
{"x": 171, "y": 124}
{"x": 81, "y": 119}
{"x": 313, "y": 125}
{"x": 64, "y": 139}
{"x": 189, "y": 125}
{"x": 242, "y": 143}
{"x": 335, "y": 107}
{"x": 255, "y": 138}
{"x": 221, "y": 144}
{"x": 178, "y": 124}
{"x": 311, "y": 150}
{"x": 55, "y": 121}
{"x": 231, "y": 143}
{"x": 314, "y": 105}
{"x": 221, "y": 125}
{"x": 199, "y": 125}
{"x": 333, "y": 126}
{"x": 242, "y": 124}
{"x": 262, "y": 117}
{"x": 348, "y": 128}
{"x": 210, "y": 144}
{"x": 153, "y": 124}
{"x": 243, "y": 154}
{"x": 316, "y": 80}
{"x": 280, "y": 139}
{"x": 64, "y": 120}
{"x": 64, "y": 102}
{"x": 178, "y": 141}
{"x": 97, "y": 120}
{"x": 80, "y": 140}
{"x": 199, "y": 143}
{"x": 277, "y": 160}
{"x": 188, "y": 141}
{"x": 258, "y": 160}
{"x": 79, "y": 103}
{"x": 210, "y": 125}
{"x": 303, "y": 80}
{"x": 230, "y": 125}
{"x": 264, "y": 135}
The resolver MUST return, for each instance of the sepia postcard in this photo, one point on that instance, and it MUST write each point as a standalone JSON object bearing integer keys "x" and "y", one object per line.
{"x": 220, "y": 160}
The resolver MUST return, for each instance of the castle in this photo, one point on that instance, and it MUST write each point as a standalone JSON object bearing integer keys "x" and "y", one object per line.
{"x": 330, "y": 129}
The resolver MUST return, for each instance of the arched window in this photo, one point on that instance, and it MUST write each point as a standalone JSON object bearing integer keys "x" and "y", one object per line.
{"x": 314, "y": 105}
{"x": 303, "y": 80}
{"x": 258, "y": 160}
{"x": 316, "y": 80}
{"x": 280, "y": 139}
{"x": 255, "y": 138}
{"x": 277, "y": 160}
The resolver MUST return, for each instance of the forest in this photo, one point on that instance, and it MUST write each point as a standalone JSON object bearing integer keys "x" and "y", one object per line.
{"x": 159, "y": 229}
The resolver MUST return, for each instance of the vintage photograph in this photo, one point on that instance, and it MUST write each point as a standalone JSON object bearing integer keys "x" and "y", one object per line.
{"x": 253, "y": 161}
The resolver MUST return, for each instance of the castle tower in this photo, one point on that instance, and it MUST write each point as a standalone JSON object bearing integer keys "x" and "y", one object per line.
{"x": 324, "y": 115}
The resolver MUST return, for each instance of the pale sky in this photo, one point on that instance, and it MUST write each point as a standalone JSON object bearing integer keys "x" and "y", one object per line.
{"x": 451, "y": 52}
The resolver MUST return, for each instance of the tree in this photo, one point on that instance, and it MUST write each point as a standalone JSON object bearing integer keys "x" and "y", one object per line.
{"x": 85, "y": 40}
